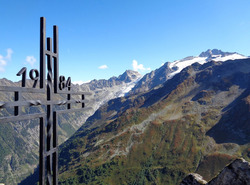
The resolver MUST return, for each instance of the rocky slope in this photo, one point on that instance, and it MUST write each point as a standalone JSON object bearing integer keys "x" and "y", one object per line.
{"x": 160, "y": 136}
{"x": 236, "y": 173}
{"x": 105, "y": 90}
{"x": 19, "y": 142}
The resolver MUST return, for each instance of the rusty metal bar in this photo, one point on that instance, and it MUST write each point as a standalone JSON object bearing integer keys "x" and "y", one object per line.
{"x": 74, "y": 93}
{"x": 55, "y": 146}
{"x": 83, "y": 97}
{"x": 21, "y": 89}
{"x": 49, "y": 112}
{"x": 20, "y": 118}
{"x": 56, "y": 59}
{"x": 16, "y": 108}
{"x": 72, "y": 110}
{"x": 42, "y": 51}
{"x": 38, "y": 102}
{"x": 42, "y": 157}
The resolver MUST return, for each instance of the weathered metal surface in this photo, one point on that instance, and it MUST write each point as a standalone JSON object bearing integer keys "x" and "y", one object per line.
{"x": 54, "y": 84}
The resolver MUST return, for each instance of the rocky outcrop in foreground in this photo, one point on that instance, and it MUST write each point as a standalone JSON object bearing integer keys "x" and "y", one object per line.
{"x": 194, "y": 179}
{"x": 236, "y": 173}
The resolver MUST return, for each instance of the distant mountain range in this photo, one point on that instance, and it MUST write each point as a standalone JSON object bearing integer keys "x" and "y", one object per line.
{"x": 157, "y": 128}
{"x": 19, "y": 142}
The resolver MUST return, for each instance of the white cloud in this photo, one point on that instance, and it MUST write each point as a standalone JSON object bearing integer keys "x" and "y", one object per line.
{"x": 137, "y": 67}
{"x": 5, "y": 60}
{"x": 31, "y": 60}
{"x": 9, "y": 54}
{"x": 103, "y": 67}
{"x": 3, "y": 63}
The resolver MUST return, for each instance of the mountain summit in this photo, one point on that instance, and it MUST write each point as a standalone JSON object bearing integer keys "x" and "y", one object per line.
{"x": 170, "y": 69}
{"x": 210, "y": 53}
{"x": 129, "y": 76}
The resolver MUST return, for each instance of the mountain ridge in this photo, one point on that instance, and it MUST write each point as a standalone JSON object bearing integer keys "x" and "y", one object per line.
{"x": 160, "y": 135}
{"x": 169, "y": 69}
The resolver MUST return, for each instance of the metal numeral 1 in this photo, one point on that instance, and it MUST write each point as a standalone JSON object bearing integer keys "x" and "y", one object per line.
{"x": 23, "y": 73}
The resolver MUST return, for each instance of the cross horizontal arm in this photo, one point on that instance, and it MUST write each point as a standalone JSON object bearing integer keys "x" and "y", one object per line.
{"x": 51, "y": 53}
{"x": 51, "y": 151}
{"x": 21, "y": 89}
{"x": 21, "y": 118}
{"x": 72, "y": 110}
{"x": 38, "y": 102}
{"x": 75, "y": 93}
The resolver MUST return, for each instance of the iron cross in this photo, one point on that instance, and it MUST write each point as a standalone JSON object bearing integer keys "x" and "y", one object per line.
{"x": 54, "y": 84}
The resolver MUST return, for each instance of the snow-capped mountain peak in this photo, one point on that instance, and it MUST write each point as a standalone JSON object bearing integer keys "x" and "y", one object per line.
{"x": 207, "y": 56}
{"x": 169, "y": 69}
{"x": 178, "y": 65}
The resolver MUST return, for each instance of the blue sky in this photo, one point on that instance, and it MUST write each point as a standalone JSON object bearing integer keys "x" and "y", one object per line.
{"x": 99, "y": 39}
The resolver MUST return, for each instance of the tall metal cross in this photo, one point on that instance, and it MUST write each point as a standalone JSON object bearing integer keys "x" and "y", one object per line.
{"x": 55, "y": 84}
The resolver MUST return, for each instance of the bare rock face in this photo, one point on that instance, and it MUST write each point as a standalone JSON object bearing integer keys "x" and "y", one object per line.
{"x": 237, "y": 173}
{"x": 193, "y": 179}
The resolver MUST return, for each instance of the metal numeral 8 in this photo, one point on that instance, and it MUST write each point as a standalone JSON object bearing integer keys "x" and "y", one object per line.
{"x": 63, "y": 83}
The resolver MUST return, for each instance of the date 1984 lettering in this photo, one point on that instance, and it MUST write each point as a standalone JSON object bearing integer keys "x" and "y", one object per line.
{"x": 34, "y": 75}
